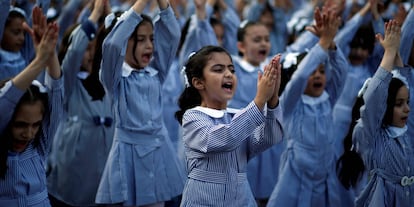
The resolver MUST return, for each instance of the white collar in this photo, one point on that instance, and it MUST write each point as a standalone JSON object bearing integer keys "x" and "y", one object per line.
{"x": 82, "y": 75}
{"x": 394, "y": 132}
{"x": 214, "y": 112}
{"x": 10, "y": 56}
{"x": 127, "y": 70}
{"x": 315, "y": 100}
{"x": 246, "y": 66}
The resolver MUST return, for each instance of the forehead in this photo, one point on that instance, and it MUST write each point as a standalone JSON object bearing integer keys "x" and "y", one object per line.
{"x": 402, "y": 93}
{"x": 219, "y": 58}
{"x": 257, "y": 30}
{"x": 144, "y": 28}
{"x": 15, "y": 22}
{"x": 29, "y": 113}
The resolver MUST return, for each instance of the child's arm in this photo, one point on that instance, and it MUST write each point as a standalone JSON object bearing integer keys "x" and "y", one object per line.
{"x": 4, "y": 12}
{"x": 45, "y": 43}
{"x": 166, "y": 40}
{"x": 200, "y": 32}
{"x": 231, "y": 22}
{"x": 407, "y": 36}
{"x": 391, "y": 44}
{"x": 375, "y": 97}
{"x": 80, "y": 38}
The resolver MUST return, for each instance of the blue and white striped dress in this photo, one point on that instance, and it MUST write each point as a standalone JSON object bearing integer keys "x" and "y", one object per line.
{"x": 142, "y": 166}
{"x": 218, "y": 145}
{"x": 387, "y": 156}
{"x": 25, "y": 182}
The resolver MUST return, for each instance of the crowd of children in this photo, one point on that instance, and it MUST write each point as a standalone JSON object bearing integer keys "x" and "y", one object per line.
{"x": 173, "y": 103}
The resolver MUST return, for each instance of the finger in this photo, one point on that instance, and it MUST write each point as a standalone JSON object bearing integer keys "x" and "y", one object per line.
{"x": 27, "y": 28}
{"x": 379, "y": 37}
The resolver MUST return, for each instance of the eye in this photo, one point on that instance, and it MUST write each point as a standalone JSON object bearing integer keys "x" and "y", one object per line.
{"x": 218, "y": 69}
{"x": 37, "y": 124}
{"x": 19, "y": 124}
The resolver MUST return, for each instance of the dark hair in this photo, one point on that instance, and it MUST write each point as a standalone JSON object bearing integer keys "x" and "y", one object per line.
{"x": 395, "y": 85}
{"x": 286, "y": 73}
{"x": 350, "y": 165}
{"x": 364, "y": 38}
{"x": 145, "y": 20}
{"x": 190, "y": 97}
{"x": 32, "y": 95}
{"x": 12, "y": 15}
{"x": 184, "y": 32}
{"x": 65, "y": 43}
{"x": 91, "y": 84}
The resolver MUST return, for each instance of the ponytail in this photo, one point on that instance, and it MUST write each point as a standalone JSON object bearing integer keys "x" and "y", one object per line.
{"x": 190, "y": 98}
{"x": 194, "y": 67}
{"x": 350, "y": 165}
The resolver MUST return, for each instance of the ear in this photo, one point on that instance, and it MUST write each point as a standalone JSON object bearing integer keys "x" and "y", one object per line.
{"x": 198, "y": 83}
{"x": 240, "y": 47}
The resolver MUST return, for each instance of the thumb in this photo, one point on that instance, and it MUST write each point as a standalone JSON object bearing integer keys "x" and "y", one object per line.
{"x": 29, "y": 30}
{"x": 379, "y": 37}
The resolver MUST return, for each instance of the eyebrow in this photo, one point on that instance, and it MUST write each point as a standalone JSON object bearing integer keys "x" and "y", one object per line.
{"x": 222, "y": 65}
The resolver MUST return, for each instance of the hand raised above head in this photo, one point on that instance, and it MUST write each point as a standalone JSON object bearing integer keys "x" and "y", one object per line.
{"x": 392, "y": 35}
{"x": 39, "y": 25}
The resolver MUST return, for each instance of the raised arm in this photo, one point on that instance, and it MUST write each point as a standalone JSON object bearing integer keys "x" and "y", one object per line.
{"x": 45, "y": 38}
{"x": 391, "y": 44}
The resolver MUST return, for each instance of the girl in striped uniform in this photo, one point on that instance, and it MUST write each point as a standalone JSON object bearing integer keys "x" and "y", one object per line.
{"x": 219, "y": 141}
{"x": 142, "y": 167}
{"x": 381, "y": 135}
{"x": 30, "y": 113}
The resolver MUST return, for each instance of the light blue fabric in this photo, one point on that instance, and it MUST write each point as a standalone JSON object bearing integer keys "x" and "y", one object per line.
{"x": 171, "y": 90}
{"x": 407, "y": 37}
{"x": 308, "y": 164}
{"x": 79, "y": 141}
{"x": 142, "y": 166}
{"x": 218, "y": 145}
{"x": 263, "y": 169}
{"x": 199, "y": 34}
{"x": 25, "y": 181}
{"x": 387, "y": 159}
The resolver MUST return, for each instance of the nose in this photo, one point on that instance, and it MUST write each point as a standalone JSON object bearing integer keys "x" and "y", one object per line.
{"x": 29, "y": 133}
{"x": 148, "y": 44}
{"x": 228, "y": 73}
{"x": 407, "y": 108}
{"x": 20, "y": 36}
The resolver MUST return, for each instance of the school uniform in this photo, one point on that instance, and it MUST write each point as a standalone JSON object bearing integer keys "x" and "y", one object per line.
{"x": 218, "y": 144}
{"x": 24, "y": 184}
{"x": 200, "y": 33}
{"x": 407, "y": 36}
{"x": 342, "y": 117}
{"x": 387, "y": 151}
{"x": 171, "y": 90}
{"x": 85, "y": 135}
{"x": 307, "y": 165}
{"x": 142, "y": 167}
{"x": 262, "y": 170}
